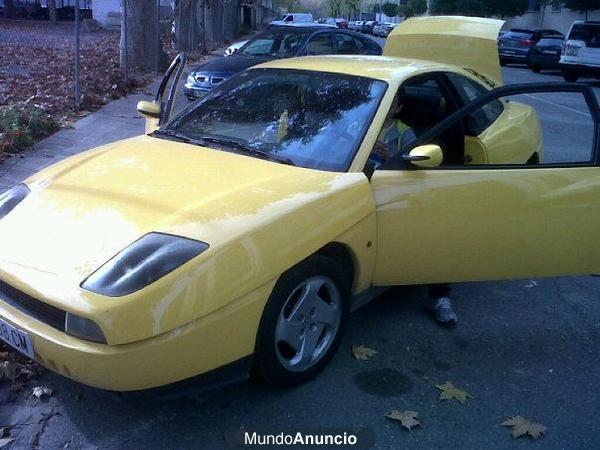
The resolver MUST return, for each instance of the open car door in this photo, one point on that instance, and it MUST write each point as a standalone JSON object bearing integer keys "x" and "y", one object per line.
{"x": 468, "y": 42}
{"x": 451, "y": 222}
{"x": 159, "y": 111}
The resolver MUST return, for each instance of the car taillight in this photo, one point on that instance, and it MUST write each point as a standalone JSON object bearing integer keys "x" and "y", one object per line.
{"x": 527, "y": 42}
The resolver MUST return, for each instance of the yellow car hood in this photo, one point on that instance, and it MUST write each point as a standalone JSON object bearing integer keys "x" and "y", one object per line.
{"x": 84, "y": 210}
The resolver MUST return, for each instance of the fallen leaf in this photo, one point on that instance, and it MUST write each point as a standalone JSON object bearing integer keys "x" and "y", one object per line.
{"x": 5, "y": 441}
{"x": 4, "y": 431}
{"x": 363, "y": 353}
{"x": 523, "y": 427}
{"x": 9, "y": 370}
{"x": 42, "y": 391}
{"x": 449, "y": 392}
{"x": 530, "y": 284}
{"x": 407, "y": 419}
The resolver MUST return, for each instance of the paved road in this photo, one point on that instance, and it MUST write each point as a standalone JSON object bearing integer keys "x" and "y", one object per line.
{"x": 528, "y": 347}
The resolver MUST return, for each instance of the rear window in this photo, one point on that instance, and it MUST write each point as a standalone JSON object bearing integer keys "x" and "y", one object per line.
{"x": 518, "y": 35}
{"x": 590, "y": 34}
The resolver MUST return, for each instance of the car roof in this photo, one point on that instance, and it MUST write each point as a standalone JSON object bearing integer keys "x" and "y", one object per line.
{"x": 389, "y": 69}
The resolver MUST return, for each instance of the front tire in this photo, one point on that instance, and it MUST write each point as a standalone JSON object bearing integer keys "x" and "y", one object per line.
{"x": 536, "y": 69}
{"x": 303, "y": 322}
{"x": 570, "y": 76}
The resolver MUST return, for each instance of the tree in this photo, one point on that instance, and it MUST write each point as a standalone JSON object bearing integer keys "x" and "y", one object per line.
{"x": 414, "y": 8}
{"x": 141, "y": 42}
{"x": 190, "y": 32}
{"x": 484, "y": 8}
{"x": 52, "y": 10}
{"x": 9, "y": 9}
{"x": 389, "y": 9}
{"x": 583, "y": 6}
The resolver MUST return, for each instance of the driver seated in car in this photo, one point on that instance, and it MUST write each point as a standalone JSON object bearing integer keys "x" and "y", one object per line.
{"x": 395, "y": 135}
{"x": 394, "y": 138}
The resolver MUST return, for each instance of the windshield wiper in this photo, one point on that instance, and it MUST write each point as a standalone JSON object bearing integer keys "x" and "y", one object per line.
{"x": 249, "y": 150}
{"x": 173, "y": 136}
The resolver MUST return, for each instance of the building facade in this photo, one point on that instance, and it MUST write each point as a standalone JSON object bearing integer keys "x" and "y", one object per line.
{"x": 552, "y": 16}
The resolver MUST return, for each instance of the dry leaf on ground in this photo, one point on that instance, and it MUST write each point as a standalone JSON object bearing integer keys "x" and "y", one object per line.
{"x": 9, "y": 370}
{"x": 5, "y": 441}
{"x": 407, "y": 419}
{"x": 363, "y": 353}
{"x": 523, "y": 427}
{"x": 448, "y": 392}
{"x": 42, "y": 391}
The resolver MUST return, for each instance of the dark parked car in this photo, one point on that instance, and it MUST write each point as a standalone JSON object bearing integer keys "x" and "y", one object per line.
{"x": 514, "y": 45}
{"x": 279, "y": 42}
{"x": 546, "y": 53}
{"x": 368, "y": 26}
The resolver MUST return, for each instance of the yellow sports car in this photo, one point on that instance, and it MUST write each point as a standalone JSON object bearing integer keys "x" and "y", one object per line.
{"x": 239, "y": 234}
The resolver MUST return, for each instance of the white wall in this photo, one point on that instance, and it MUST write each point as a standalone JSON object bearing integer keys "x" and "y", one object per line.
{"x": 560, "y": 21}
{"x": 107, "y": 12}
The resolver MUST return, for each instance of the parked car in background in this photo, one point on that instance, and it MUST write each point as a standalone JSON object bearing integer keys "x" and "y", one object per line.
{"x": 546, "y": 53}
{"x": 352, "y": 25}
{"x": 581, "y": 52}
{"x": 368, "y": 26}
{"x": 338, "y": 22}
{"x": 234, "y": 48}
{"x": 292, "y": 17}
{"x": 358, "y": 25}
{"x": 384, "y": 29}
{"x": 514, "y": 45}
{"x": 278, "y": 42}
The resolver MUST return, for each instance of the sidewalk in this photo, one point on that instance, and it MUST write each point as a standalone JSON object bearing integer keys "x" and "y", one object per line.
{"x": 116, "y": 120}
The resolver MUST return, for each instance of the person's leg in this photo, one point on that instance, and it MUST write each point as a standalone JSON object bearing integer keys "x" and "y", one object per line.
{"x": 440, "y": 304}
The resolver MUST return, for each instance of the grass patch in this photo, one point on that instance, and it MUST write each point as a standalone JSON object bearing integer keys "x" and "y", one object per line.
{"x": 22, "y": 127}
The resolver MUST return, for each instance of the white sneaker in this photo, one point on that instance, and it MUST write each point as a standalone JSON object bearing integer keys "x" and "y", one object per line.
{"x": 441, "y": 309}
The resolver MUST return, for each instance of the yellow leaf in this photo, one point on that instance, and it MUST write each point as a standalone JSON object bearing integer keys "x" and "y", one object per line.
{"x": 448, "y": 392}
{"x": 363, "y": 353}
{"x": 5, "y": 441}
{"x": 523, "y": 427}
{"x": 407, "y": 419}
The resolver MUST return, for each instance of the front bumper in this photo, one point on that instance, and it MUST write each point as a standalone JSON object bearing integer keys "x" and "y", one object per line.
{"x": 193, "y": 92}
{"x": 211, "y": 342}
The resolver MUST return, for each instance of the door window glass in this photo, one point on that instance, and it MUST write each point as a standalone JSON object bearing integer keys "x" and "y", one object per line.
{"x": 469, "y": 90}
{"x": 320, "y": 45}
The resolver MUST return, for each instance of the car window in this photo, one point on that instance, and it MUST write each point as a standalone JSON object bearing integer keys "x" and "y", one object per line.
{"x": 274, "y": 45}
{"x": 346, "y": 44}
{"x": 319, "y": 45}
{"x": 590, "y": 34}
{"x": 316, "y": 119}
{"x": 469, "y": 90}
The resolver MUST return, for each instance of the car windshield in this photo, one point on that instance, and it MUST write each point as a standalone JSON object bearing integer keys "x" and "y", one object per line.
{"x": 590, "y": 34}
{"x": 309, "y": 119}
{"x": 274, "y": 45}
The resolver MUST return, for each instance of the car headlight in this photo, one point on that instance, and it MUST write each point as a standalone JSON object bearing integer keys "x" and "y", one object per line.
{"x": 146, "y": 260}
{"x": 191, "y": 79}
{"x": 83, "y": 328}
{"x": 12, "y": 198}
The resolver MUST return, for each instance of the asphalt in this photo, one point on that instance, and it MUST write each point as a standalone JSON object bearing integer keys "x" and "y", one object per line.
{"x": 525, "y": 347}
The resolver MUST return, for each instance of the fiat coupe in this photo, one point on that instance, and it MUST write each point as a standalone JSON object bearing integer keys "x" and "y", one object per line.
{"x": 236, "y": 236}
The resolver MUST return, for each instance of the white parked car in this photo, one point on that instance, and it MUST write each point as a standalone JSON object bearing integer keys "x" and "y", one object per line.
{"x": 291, "y": 18}
{"x": 581, "y": 53}
{"x": 234, "y": 48}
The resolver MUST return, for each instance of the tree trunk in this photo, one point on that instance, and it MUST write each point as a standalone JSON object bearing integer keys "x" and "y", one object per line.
{"x": 9, "y": 9}
{"x": 52, "y": 10}
{"x": 190, "y": 33}
{"x": 142, "y": 45}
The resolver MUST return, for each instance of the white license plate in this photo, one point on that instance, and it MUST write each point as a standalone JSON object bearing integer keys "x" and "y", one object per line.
{"x": 549, "y": 52}
{"x": 572, "y": 51}
{"x": 508, "y": 52}
{"x": 16, "y": 338}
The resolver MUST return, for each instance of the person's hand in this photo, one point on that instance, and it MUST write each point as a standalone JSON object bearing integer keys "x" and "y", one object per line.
{"x": 381, "y": 150}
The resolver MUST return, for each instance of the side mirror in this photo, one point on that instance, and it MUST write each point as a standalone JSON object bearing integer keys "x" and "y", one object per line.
{"x": 149, "y": 110}
{"x": 425, "y": 156}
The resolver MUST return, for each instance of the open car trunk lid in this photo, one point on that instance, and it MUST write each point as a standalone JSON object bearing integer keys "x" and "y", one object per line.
{"x": 469, "y": 42}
